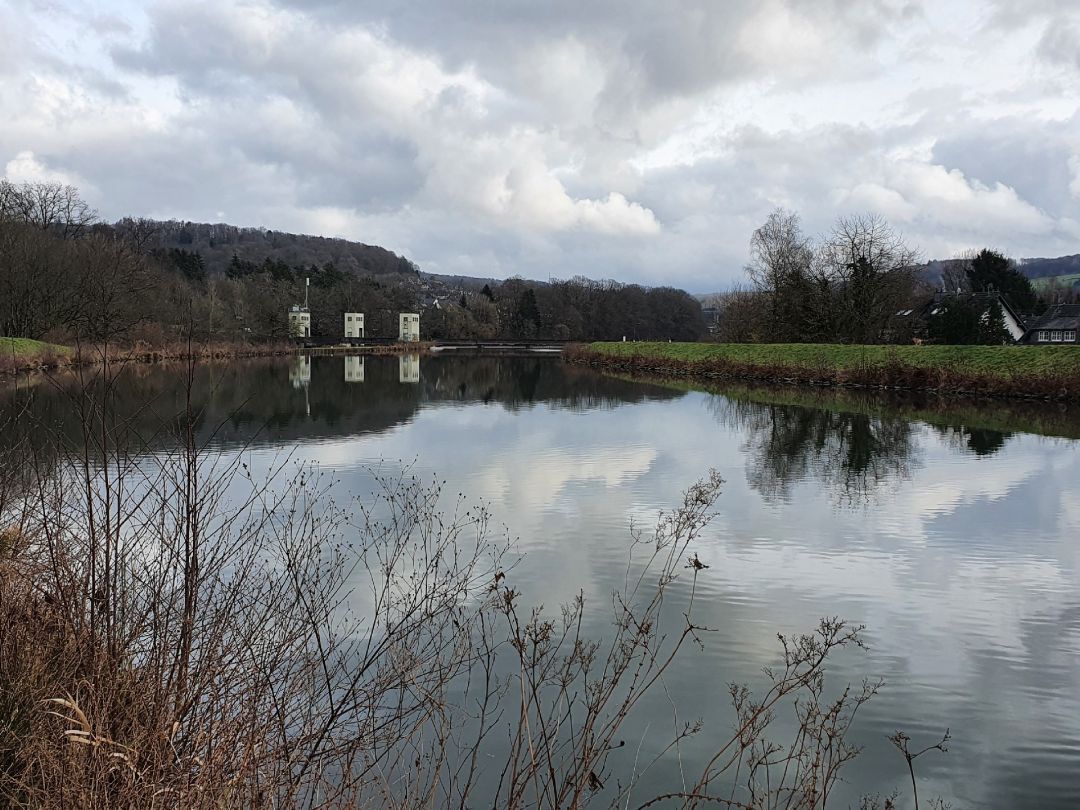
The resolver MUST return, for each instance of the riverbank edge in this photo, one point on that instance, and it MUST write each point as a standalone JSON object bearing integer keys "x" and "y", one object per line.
{"x": 65, "y": 357}
{"x": 890, "y": 374}
{"x": 1004, "y": 415}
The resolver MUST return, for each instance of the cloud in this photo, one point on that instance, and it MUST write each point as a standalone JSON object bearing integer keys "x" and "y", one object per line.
{"x": 1060, "y": 43}
{"x": 611, "y": 139}
{"x": 26, "y": 168}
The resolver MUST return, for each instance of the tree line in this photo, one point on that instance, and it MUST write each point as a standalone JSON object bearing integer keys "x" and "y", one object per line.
{"x": 65, "y": 276}
{"x": 573, "y": 309}
{"x": 862, "y": 283}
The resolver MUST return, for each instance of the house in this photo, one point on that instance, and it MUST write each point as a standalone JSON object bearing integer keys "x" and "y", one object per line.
{"x": 354, "y": 324}
{"x": 408, "y": 327}
{"x": 1059, "y": 324}
{"x": 922, "y": 320}
{"x": 299, "y": 322}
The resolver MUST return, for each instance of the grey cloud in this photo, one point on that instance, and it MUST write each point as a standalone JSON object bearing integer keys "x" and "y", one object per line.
{"x": 518, "y": 138}
{"x": 1060, "y": 43}
{"x": 1029, "y": 156}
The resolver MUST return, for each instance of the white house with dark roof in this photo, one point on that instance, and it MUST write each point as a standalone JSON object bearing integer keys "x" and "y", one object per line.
{"x": 1059, "y": 324}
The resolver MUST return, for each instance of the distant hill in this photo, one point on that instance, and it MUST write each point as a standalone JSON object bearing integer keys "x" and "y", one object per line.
{"x": 218, "y": 243}
{"x": 1044, "y": 268}
{"x": 469, "y": 283}
{"x": 1039, "y": 271}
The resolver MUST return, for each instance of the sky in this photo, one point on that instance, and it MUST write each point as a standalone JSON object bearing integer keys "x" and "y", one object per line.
{"x": 625, "y": 139}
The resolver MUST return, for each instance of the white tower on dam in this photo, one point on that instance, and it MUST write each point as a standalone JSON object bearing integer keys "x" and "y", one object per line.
{"x": 408, "y": 327}
{"x": 354, "y": 324}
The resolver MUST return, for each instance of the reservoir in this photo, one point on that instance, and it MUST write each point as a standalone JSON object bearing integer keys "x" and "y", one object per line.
{"x": 951, "y": 530}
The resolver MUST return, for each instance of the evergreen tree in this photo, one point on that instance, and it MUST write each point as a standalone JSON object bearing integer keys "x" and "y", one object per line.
{"x": 992, "y": 330}
{"x": 990, "y": 271}
{"x": 527, "y": 314}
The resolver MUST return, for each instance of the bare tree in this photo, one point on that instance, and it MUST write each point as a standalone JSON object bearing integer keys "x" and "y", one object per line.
{"x": 872, "y": 272}
{"x": 139, "y": 232}
{"x": 53, "y": 207}
{"x": 956, "y": 275}
{"x": 112, "y": 284}
{"x": 781, "y": 261}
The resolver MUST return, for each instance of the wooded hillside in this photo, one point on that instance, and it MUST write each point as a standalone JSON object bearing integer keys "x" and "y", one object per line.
{"x": 219, "y": 243}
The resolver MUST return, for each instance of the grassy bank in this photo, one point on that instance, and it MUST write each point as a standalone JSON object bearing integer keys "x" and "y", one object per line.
{"x": 1046, "y": 372}
{"x": 18, "y": 354}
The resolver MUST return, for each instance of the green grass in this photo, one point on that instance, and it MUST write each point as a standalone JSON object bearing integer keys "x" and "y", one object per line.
{"x": 20, "y": 354}
{"x": 26, "y": 349}
{"x": 1066, "y": 280}
{"x": 997, "y": 361}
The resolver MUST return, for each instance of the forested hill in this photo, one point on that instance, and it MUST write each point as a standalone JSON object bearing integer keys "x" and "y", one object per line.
{"x": 219, "y": 243}
{"x": 1045, "y": 268}
{"x": 937, "y": 271}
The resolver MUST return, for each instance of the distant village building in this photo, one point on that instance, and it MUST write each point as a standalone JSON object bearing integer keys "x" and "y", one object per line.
{"x": 408, "y": 327}
{"x": 354, "y": 369}
{"x": 1059, "y": 324}
{"x": 1014, "y": 322}
{"x": 354, "y": 324}
{"x": 409, "y": 368}
{"x": 918, "y": 322}
{"x": 711, "y": 316}
{"x": 299, "y": 322}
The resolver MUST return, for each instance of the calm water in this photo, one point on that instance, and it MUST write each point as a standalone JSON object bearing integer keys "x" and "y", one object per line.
{"x": 958, "y": 547}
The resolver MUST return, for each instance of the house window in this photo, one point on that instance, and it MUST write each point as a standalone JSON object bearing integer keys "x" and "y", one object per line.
{"x": 1055, "y": 336}
{"x": 1070, "y": 336}
{"x": 1043, "y": 337}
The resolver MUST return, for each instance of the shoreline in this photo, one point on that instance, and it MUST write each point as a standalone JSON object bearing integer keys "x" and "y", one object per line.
{"x": 882, "y": 368}
{"x": 65, "y": 357}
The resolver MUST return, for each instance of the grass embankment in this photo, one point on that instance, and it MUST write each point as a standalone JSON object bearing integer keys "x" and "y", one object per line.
{"x": 21, "y": 354}
{"x": 1047, "y": 372}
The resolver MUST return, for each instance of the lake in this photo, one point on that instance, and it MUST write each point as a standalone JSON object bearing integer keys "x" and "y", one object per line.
{"x": 951, "y": 530}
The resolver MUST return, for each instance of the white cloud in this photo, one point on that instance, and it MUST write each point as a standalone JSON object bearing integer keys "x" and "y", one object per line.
{"x": 26, "y": 168}
{"x": 533, "y": 138}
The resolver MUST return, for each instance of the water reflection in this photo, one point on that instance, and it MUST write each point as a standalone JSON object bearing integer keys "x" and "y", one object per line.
{"x": 980, "y": 441}
{"x": 280, "y": 402}
{"x": 354, "y": 369}
{"x": 961, "y": 558}
{"x": 851, "y": 454}
{"x": 409, "y": 368}
{"x": 300, "y": 371}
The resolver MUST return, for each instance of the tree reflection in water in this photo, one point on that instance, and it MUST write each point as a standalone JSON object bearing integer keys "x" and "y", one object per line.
{"x": 851, "y": 454}
{"x": 980, "y": 441}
